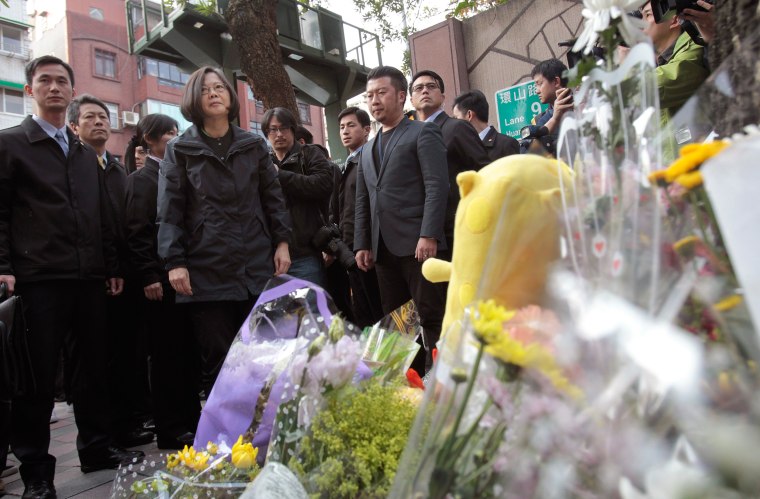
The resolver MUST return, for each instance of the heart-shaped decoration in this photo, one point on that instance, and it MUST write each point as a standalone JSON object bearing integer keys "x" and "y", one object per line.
{"x": 617, "y": 264}
{"x": 599, "y": 245}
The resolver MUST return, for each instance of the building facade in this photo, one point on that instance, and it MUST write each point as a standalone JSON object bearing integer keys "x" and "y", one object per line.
{"x": 497, "y": 48}
{"x": 14, "y": 54}
{"x": 92, "y": 37}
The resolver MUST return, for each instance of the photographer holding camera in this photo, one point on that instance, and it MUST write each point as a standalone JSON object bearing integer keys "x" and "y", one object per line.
{"x": 337, "y": 239}
{"x": 552, "y": 89}
{"x": 680, "y": 60}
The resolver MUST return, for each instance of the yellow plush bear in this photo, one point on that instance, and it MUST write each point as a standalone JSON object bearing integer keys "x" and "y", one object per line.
{"x": 506, "y": 234}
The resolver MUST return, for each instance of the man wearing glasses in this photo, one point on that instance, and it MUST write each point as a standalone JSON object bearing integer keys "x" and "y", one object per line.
{"x": 307, "y": 180}
{"x": 464, "y": 149}
{"x": 401, "y": 189}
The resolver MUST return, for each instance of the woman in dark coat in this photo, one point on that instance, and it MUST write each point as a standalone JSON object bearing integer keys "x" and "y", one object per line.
{"x": 224, "y": 227}
{"x": 175, "y": 398}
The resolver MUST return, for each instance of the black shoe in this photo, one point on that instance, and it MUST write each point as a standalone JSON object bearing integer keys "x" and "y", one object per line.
{"x": 39, "y": 490}
{"x": 114, "y": 457}
{"x": 149, "y": 425}
{"x": 136, "y": 437}
{"x": 176, "y": 443}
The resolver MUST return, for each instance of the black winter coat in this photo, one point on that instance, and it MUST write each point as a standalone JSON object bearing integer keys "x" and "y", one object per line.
{"x": 53, "y": 218}
{"x": 141, "y": 205}
{"x": 114, "y": 183}
{"x": 307, "y": 180}
{"x": 343, "y": 205}
{"x": 220, "y": 217}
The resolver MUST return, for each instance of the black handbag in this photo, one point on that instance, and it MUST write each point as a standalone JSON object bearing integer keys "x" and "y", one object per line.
{"x": 16, "y": 373}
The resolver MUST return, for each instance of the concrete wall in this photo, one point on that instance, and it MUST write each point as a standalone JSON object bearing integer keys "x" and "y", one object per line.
{"x": 499, "y": 46}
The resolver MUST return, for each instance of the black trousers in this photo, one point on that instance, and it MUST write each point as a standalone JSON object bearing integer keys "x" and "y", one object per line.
{"x": 66, "y": 314}
{"x": 175, "y": 365}
{"x": 400, "y": 279}
{"x": 338, "y": 287}
{"x": 365, "y": 297}
{"x": 5, "y": 431}
{"x": 128, "y": 360}
{"x": 215, "y": 324}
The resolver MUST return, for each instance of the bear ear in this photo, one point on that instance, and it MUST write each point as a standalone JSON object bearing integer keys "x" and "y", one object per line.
{"x": 467, "y": 182}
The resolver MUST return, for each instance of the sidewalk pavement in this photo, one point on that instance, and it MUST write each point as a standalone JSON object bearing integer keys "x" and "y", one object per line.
{"x": 69, "y": 479}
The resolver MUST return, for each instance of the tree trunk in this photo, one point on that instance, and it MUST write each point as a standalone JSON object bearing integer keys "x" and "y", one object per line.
{"x": 253, "y": 26}
{"x": 736, "y": 45}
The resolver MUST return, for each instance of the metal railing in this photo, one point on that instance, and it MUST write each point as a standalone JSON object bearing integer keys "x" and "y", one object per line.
{"x": 311, "y": 27}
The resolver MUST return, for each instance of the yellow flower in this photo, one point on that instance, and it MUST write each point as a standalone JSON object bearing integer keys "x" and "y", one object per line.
{"x": 489, "y": 321}
{"x": 212, "y": 448}
{"x": 690, "y": 180}
{"x": 244, "y": 454}
{"x": 686, "y": 243}
{"x": 691, "y": 157}
{"x": 193, "y": 459}
{"x": 728, "y": 303}
{"x": 172, "y": 460}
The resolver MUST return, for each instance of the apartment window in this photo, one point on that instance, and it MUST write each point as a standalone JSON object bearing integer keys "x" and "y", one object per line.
{"x": 304, "y": 112}
{"x": 154, "y": 106}
{"x": 105, "y": 63}
{"x": 10, "y": 39}
{"x": 255, "y": 127}
{"x": 11, "y": 101}
{"x": 113, "y": 112}
{"x": 97, "y": 14}
{"x": 259, "y": 104}
{"x": 167, "y": 73}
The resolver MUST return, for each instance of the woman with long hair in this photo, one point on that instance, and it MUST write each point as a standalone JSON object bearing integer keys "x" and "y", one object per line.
{"x": 224, "y": 227}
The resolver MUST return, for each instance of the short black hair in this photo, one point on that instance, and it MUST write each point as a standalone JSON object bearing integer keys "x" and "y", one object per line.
{"x": 283, "y": 115}
{"x": 430, "y": 73}
{"x": 303, "y": 133}
{"x": 398, "y": 80}
{"x": 360, "y": 114}
{"x": 73, "y": 111}
{"x": 475, "y": 101}
{"x": 153, "y": 126}
{"x": 550, "y": 69}
{"x": 31, "y": 67}
{"x": 192, "y": 97}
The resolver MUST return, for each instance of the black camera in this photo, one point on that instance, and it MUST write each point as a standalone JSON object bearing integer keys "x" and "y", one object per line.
{"x": 536, "y": 139}
{"x": 328, "y": 239}
{"x": 661, "y": 8}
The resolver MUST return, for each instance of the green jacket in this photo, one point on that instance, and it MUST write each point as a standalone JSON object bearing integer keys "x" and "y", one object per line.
{"x": 680, "y": 77}
{"x": 677, "y": 80}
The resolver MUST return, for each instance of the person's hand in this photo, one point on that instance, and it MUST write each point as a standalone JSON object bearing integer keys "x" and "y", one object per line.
{"x": 9, "y": 281}
{"x": 427, "y": 247}
{"x": 328, "y": 259}
{"x": 154, "y": 292}
{"x": 621, "y": 53}
{"x": 365, "y": 260}
{"x": 704, "y": 21}
{"x": 281, "y": 259}
{"x": 114, "y": 286}
{"x": 179, "y": 278}
{"x": 564, "y": 102}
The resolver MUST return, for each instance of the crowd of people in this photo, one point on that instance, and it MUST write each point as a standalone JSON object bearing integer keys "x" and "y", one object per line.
{"x": 187, "y": 233}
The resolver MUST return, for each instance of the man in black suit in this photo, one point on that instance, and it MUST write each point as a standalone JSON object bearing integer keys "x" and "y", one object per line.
{"x": 90, "y": 120}
{"x": 401, "y": 191}
{"x": 472, "y": 107}
{"x": 464, "y": 150}
{"x": 57, "y": 251}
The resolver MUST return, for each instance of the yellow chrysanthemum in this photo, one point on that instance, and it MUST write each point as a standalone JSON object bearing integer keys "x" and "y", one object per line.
{"x": 244, "y": 454}
{"x": 193, "y": 459}
{"x": 690, "y": 180}
{"x": 686, "y": 244}
{"x": 489, "y": 320}
{"x": 212, "y": 448}
{"x": 172, "y": 460}
{"x": 691, "y": 157}
{"x": 728, "y": 303}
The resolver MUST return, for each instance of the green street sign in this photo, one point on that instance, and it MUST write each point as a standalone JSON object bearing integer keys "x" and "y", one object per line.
{"x": 516, "y": 106}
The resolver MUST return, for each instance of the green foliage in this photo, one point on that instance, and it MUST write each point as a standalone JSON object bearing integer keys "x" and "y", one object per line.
{"x": 355, "y": 444}
{"x": 205, "y": 7}
{"x": 466, "y": 8}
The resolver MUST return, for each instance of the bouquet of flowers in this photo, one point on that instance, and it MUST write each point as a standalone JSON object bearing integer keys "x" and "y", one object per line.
{"x": 216, "y": 471}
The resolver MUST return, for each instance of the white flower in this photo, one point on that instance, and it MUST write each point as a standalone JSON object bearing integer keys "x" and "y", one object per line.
{"x": 599, "y": 13}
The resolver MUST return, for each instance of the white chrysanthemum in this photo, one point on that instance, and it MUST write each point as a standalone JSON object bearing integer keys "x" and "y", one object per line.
{"x": 599, "y": 13}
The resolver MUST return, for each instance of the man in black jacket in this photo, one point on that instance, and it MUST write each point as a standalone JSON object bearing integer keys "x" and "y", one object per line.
{"x": 464, "y": 149}
{"x": 89, "y": 118}
{"x": 56, "y": 250}
{"x": 365, "y": 294}
{"x": 307, "y": 182}
{"x": 472, "y": 107}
